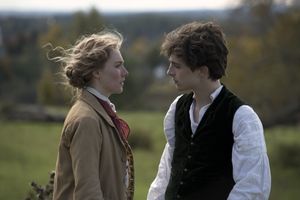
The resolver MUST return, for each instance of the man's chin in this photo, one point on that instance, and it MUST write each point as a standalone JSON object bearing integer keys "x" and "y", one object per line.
{"x": 179, "y": 88}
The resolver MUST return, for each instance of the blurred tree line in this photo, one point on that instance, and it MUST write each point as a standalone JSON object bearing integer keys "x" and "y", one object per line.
{"x": 264, "y": 60}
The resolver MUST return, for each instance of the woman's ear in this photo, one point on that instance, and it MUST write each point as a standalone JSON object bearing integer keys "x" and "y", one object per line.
{"x": 96, "y": 74}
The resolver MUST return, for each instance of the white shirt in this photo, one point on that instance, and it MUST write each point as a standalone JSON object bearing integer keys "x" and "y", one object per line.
{"x": 251, "y": 170}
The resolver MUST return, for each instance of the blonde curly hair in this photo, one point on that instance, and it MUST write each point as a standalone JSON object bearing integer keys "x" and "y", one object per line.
{"x": 87, "y": 55}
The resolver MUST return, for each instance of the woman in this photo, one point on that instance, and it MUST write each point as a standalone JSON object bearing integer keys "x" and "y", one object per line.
{"x": 94, "y": 158}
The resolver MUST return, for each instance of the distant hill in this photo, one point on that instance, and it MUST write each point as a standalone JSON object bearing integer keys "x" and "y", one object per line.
{"x": 146, "y": 24}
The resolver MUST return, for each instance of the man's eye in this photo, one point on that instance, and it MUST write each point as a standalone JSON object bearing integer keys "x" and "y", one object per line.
{"x": 176, "y": 66}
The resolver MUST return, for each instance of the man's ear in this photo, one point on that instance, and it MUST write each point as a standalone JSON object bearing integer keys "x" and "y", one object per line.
{"x": 203, "y": 71}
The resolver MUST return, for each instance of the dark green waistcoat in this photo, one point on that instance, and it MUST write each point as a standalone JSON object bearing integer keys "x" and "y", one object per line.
{"x": 201, "y": 165}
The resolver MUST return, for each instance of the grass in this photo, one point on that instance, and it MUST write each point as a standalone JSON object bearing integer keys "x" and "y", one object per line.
{"x": 146, "y": 162}
{"x": 284, "y": 153}
{"x": 28, "y": 153}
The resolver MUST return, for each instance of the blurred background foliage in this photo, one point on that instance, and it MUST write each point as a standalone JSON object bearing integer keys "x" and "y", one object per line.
{"x": 264, "y": 60}
{"x": 263, "y": 39}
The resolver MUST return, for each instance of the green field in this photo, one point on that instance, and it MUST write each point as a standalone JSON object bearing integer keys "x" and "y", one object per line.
{"x": 28, "y": 153}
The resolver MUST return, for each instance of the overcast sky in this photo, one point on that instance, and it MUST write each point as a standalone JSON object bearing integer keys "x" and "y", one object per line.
{"x": 114, "y": 5}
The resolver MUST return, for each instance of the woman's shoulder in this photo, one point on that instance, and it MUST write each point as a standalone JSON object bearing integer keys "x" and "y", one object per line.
{"x": 81, "y": 111}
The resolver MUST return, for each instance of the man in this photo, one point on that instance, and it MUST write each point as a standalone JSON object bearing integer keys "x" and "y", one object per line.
{"x": 215, "y": 144}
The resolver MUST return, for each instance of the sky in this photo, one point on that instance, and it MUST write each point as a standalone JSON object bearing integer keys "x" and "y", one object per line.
{"x": 114, "y": 5}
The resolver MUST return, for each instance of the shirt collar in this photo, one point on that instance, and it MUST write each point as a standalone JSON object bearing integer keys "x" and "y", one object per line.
{"x": 215, "y": 93}
{"x": 100, "y": 96}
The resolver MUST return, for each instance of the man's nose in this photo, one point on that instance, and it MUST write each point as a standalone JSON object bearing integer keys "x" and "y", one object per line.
{"x": 170, "y": 71}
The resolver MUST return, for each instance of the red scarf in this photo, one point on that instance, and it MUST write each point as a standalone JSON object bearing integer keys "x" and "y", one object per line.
{"x": 120, "y": 124}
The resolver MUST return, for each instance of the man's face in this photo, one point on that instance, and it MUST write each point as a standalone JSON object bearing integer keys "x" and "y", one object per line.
{"x": 183, "y": 77}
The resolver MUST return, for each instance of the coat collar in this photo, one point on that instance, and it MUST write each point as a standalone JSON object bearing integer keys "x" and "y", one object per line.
{"x": 94, "y": 103}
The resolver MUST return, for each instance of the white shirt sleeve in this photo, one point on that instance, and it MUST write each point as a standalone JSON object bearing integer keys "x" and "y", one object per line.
{"x": 159, "y": 185}
{"x": 251, "y": 170}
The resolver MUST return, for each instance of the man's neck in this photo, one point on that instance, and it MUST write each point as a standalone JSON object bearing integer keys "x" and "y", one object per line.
{"x": 202, "y": 95}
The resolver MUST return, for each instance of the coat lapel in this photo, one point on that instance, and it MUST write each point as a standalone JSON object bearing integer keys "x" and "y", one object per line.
{"x": 93, "y": 102}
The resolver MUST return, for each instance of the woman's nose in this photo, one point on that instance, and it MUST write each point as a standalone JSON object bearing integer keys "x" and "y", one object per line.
{"x": 125, "y": 72}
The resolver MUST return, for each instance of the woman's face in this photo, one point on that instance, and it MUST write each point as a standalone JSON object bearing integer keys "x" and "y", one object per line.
{"x": 112, "y": 75}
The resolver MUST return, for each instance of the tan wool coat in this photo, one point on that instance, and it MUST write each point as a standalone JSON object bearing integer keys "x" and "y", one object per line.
{"x": 91, "y": 163}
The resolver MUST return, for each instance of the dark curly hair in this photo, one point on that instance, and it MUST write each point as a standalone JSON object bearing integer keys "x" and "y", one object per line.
{"x": 198, "y": 44}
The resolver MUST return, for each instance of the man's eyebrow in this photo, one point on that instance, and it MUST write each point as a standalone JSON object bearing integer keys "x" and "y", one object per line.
{"x": 173, "y": 62}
